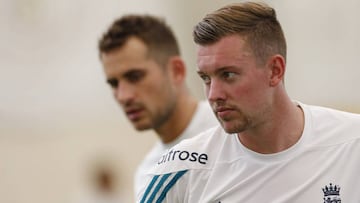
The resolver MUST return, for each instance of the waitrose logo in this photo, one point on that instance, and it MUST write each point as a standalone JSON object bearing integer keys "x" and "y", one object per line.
{"x": 183, "y": 156}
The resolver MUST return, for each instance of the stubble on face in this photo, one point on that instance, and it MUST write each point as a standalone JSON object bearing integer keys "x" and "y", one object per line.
{"x": 235, "y": 122}
{"x": 237, "y": 100}
{"x": 140, "y": 84}
{"x": 158, "y": 103}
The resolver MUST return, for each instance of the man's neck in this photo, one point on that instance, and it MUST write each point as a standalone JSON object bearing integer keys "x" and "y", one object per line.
{"x": 281, "y": 131}
{"x": 179, "y": 120}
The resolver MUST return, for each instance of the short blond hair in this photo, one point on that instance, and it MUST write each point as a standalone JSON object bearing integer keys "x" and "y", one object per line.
{"x": 256, "y": 22}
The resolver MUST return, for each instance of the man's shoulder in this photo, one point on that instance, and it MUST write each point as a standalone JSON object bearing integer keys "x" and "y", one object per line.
{"x": 328, "y": 126}
{"x": 192, "y": 153}
{"x": 333, "y": 116}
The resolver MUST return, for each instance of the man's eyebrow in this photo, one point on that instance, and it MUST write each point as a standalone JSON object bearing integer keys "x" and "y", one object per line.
{"x": 200, "y": 72}
{"x": 216, "y": 71}
{"x": 132, "y": 71}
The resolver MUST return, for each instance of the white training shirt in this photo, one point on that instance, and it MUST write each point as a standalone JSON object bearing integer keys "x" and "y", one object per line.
{"x": 203, "y": 119}
{"x": 214, "y": 167}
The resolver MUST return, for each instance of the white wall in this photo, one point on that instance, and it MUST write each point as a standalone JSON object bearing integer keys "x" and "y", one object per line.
{"x": 323, "y": 46}
{"x": 57, "y": 115}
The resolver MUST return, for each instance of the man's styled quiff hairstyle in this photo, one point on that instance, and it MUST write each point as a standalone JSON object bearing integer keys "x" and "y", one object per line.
{"x": 256, "y": 22}
{"x": 153, "y": 31}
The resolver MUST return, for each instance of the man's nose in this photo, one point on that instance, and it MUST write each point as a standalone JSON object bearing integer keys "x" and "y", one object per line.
{"x": 124, "y": 93}
{"x": 215, "y": 91}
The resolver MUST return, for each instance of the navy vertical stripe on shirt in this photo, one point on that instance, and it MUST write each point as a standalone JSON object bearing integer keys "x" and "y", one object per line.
{"x": 160, "y": 188}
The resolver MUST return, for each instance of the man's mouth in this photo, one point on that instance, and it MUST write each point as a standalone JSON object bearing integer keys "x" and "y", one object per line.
{"x": 134, "y": 114}
{"x": 223, "y": 112}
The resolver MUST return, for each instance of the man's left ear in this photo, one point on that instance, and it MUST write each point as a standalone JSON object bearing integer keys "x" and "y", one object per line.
{"x": 177, "y": 69}
{"x": 277, "y": 67}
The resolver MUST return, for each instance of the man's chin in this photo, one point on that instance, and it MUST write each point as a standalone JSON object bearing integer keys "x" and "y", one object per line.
{"x": 141, "y": 127}
{"x": 230, "y": 131}
{"x": 231, "y": 128}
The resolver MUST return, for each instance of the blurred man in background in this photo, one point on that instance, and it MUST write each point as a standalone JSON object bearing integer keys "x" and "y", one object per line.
{"x": 143, "y": 66}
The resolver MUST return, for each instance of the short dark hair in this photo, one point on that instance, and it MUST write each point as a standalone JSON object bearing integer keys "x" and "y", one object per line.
{"x": 153, "y": 31}
{"x": 257, "y": 22}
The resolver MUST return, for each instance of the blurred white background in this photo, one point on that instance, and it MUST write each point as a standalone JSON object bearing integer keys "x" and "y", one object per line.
{"x": 58, "y": 119}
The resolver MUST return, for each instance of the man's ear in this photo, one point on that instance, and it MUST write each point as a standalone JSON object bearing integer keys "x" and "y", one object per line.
{"x": 177, "y": 69}
{"x": 277, "y": 66}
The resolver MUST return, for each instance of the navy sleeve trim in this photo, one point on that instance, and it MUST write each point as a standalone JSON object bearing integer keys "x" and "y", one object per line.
{"x": 163, "y": 186}
{"x": 170, "y": 184}
{"x": 148, "y": 189}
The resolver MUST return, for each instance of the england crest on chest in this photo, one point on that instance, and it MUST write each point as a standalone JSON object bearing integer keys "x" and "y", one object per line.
{"x": 331, "y": 193}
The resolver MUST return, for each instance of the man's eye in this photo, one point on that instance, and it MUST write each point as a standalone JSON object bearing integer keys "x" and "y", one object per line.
{"x": 228, "y": 75}
{"x": 113, "y": 83}
{"x": 205, "y": 78}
